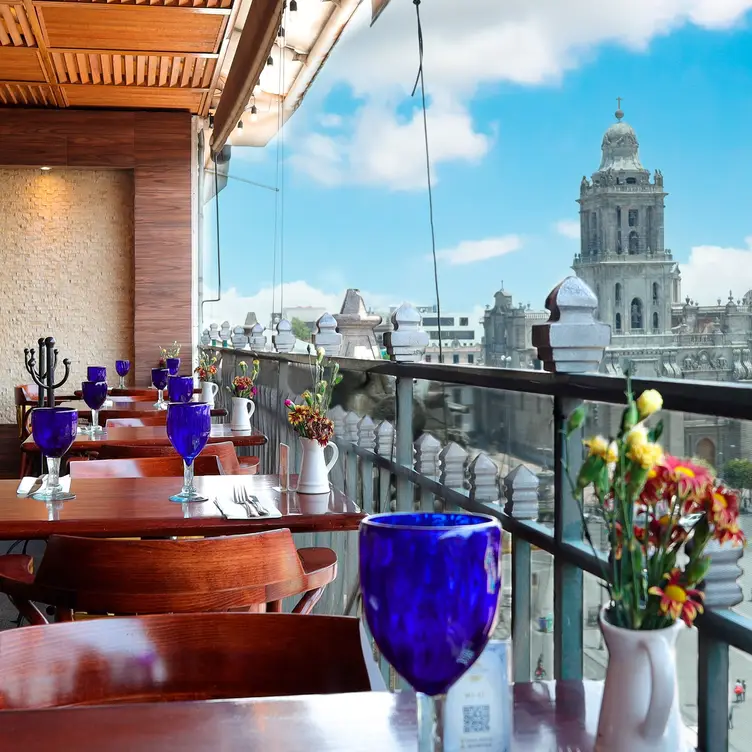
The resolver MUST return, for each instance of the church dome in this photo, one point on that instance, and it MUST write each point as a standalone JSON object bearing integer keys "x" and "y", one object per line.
{"x": 620, "y": 148}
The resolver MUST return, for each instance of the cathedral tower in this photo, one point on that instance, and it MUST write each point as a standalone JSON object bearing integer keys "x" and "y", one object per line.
{"x": 622, "y": 254}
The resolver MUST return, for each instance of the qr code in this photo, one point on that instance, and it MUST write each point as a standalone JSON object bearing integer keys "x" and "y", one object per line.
{"x": 476, "y": 718}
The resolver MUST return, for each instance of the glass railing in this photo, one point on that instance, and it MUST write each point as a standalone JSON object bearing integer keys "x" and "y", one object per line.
{"x": 425, "y": 436}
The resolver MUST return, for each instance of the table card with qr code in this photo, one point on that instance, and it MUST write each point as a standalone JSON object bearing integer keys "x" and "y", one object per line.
{"x": 284, "y": 467}
{"x": 478, "y": 715}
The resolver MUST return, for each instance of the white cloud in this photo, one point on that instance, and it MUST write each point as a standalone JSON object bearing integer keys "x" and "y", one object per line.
{"x": 729, "y": 269}
{"x": 569, "y": 228}
{"x": 330, "y": 120}
{"x": 471, "y": 251}
{"x": 234, "y": 307}
{"x": 468, "y": 45}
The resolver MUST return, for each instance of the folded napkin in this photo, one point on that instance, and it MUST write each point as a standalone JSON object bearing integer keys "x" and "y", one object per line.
{"x": 232, "y": 511}
{"x": 27, "y": 483}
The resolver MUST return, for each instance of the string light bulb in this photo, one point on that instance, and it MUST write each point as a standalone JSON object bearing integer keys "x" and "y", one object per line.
{"x": 270, "y": 60}
{"x": 281, "y": 31}
{"x": 254, "y": 113}
{"x": 293, "y": 5}
{"x": 240, "y": 125}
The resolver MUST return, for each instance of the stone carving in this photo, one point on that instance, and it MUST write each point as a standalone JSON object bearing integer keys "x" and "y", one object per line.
{"x": 356, "y": 326}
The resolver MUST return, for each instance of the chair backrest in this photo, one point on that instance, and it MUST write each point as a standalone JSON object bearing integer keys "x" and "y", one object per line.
{"x": 183, "y": 657}
{"x": 142, "y": 467}
{"x": 131, "y": 397}
{"x": 158, "y": 419}
{"x": 168, "y": 576}
{"x": 223, "y": 450}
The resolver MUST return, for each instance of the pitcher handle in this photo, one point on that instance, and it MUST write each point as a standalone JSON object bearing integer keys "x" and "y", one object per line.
{"x": 335, "y": 456}
{"x": 214, "y": 388}
{"x": 251, "y": 408}
{"x": 662, "y": 688}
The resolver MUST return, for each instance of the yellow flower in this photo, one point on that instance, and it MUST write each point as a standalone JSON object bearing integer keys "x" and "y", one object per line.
{"x": 637, "y": 436}
{"x": 646, "y": 455}
{"x": 599, "y": 447}
{"x": 649, "y": 402}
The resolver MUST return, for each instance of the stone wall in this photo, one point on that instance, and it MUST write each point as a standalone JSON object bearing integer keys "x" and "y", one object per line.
{"x": 66, "y": 254}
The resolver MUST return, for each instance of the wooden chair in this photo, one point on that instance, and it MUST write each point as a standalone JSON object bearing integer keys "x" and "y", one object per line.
{"x": 183, "y": 657}
{"x": 158, "y": 419}
{"x": 224, "y": 450}
{"x": 110, "y": 576}
{"x": 142, "y": 467}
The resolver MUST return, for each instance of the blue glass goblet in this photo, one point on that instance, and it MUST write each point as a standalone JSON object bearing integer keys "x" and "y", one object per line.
{"x": 96, "y": 373}
{"x": 173, "y": 366}
{"x": 54, "y": 429}
{"x": 180, "y": 388}
{"x": 159, "y": 379}
{"x": 94, "y": 394}
{"x": 123, "y": 368}
{"x": 188, "y": 429}
{"x": 430, "y": 585}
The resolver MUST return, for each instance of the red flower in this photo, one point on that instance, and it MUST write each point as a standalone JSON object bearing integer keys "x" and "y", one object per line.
{"x": 723, "y": 506}
{"x": 689, "y": 479}
{"x": 731, "y": 534}
{"x": 676, "y": 600}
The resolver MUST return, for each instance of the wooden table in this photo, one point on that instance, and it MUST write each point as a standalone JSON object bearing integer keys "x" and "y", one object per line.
{"x": 125, "y": 407}
{"x": 548, "y": 716}
{"x": 140, "y": 507}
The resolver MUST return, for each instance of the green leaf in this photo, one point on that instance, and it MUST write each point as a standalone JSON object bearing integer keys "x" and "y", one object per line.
{"x": 630, "y": 417}
{"x": 576, "y": 419}
{"x": 697, "y": 570}
{"x": 590, "y": 469}
{"x": 655, "y": 433}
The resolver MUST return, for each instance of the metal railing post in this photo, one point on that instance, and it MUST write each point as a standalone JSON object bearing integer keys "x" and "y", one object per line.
{"x": 404, "y": 441}
{"x": 713, "y": 693}
{"x": 522, "y": 613}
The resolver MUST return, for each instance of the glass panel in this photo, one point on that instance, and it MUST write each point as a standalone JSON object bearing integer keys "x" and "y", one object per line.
{"x": 740, "y": 673}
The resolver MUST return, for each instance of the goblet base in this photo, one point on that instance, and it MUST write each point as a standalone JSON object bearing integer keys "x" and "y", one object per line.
{"x": 160, "y": 405}
{"x": 192, "y": 496}
{"x": 91, "y": 430}
{"x": 50, "y": 496}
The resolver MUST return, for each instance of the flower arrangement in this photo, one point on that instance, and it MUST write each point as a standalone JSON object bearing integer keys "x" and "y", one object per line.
{"x": 207, "y": 367}
{"x": 659, "y": 512}
{"x": 309, "y": 419}
{"x": 173, "y": 351}
{"x": 243, "y": 385}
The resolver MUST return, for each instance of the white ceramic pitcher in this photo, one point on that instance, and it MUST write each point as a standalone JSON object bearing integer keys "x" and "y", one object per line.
{"x": 240, "y": 418}
{"x": 209, "y": 391}
{"x": 640, "y": 709}
{"x": 314, "y": 470}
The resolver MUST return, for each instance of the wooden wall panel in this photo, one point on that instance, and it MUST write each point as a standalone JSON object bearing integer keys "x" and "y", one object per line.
{"x": 157, "y": 146}
{"x": 20, "y": 64}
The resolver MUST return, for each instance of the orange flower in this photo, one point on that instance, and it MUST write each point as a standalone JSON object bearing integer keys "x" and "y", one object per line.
{"x": 678, "y": 601}
{"x": 731, "y": 534}
{"x": 723, "y": 506}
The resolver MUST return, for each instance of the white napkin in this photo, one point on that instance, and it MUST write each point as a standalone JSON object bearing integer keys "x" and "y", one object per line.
{"x": 28, "y": 482}
{"x": 233, "y": 511}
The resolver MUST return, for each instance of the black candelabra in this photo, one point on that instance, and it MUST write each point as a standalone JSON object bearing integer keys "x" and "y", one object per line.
{"x": 44, "y": 375}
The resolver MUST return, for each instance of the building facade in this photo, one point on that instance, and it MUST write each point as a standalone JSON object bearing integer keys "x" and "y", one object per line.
{"x": 624, "y": 260}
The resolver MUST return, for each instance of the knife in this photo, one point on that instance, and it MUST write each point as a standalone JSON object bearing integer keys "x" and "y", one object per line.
{"x": 35, "y": 486}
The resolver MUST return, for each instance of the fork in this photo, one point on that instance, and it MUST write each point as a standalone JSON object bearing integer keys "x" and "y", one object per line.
{"x": 240, "y": 496}
{"x": 250, "y": 499}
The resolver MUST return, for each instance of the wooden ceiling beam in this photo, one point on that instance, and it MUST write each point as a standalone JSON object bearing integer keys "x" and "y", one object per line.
{"x": 44, "y": 56}
{"x": 255, "y": 44}
{"x": 87, "y": 51}
{"x": 224, "y": 47}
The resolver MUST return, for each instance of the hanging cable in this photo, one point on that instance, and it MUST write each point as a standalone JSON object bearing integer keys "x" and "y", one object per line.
{"x": 219, "y": 255}
{"x": 421, "y": 80}
{"x": 281, "y": 116}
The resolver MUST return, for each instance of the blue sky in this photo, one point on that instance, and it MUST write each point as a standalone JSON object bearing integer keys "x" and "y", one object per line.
{"x": 517, "y": 109}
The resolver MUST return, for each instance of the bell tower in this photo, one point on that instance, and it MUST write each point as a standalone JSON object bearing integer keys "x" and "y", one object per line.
{"x": 622, "y": 253}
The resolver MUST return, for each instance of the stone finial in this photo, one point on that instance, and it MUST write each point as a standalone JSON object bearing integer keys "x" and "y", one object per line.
{"x": 521, "y": 491}
{"x": 367, "y": 433}
{"x": 408, "y": 342}
{"x": 257, "y": 338}
{"x": 225, "y": 333}
{"x": 572, "y": 340}
{"x": 453, "y": 458}
{"x": 284, "y": 339}
{"x": 385, "y": 439}
{"x": 484, "y": 479}
{"x": 351, "y": 427}
{"x": 427, "y": 449}
{"x": 326, "y": 335}
{"x": 356, "y": 326}
{"x": 337, "y": 416}
{"x": 239, "y": 338}
{"x": 722, "y": 589}
{"x": 205, "y": 338}
{"x": 214, "y": 332}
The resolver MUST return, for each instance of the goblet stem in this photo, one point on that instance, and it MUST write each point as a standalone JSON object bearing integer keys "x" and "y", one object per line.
{"x": 430, "y": 722}
{"x": 53, "y": 475}
{"x": 122, "y": 383}
{"x": 188, "y": 489}
{"x": 94, "y": 421}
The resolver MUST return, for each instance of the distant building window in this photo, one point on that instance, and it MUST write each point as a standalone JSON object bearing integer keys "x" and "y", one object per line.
{"x": 618, "y": 216}
{"x": 463, "y": 321}
{"x": 470, "y": 358}
{"x": 655, "y": 322}
{"x": 428, "y": 358}
{"x": 617, "y": 293}
{"x": 631, "y": 181}
{"x": 618, "y": 322}
{"x": 619, "y": 246}
{"x": 655, "y": 292}
{"x": 445, "y": 321}
{"x": 636, "y": 314}
{"x": 450, "y": 334}
{"x": 455, "y": 358}
{"x": 634, "y": 242}
{"x": 633, "y": 217}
